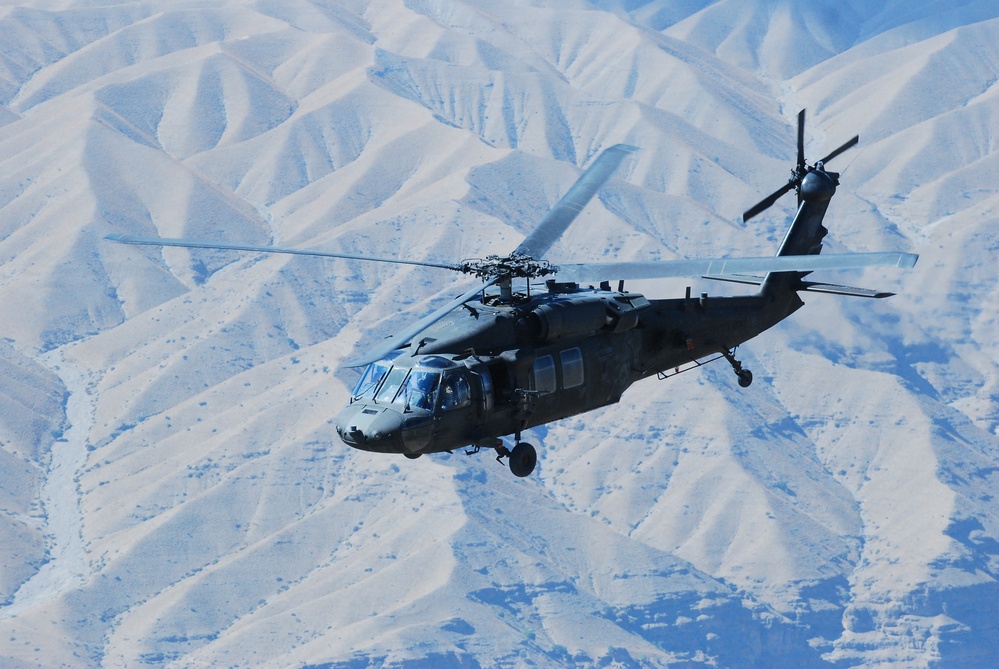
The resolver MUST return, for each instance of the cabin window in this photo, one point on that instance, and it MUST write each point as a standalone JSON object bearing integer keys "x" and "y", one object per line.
{"x": 543, "y": 374}
{"x": 572, "y": 367}
{"x": 455, "y": 393}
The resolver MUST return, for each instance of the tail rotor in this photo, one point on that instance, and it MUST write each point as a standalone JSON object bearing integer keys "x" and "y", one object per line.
{"x": 801, "y": 169}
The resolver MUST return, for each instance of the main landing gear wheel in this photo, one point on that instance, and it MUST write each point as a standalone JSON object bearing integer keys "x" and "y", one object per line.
{"x": 523, "y": 458}
{"x": 412, "y": 456}
{"x": 745, "y": 376}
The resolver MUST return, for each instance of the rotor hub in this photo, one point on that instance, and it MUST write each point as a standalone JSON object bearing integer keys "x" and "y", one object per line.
{"x": 818, "y": 185}
{"x": 508, "y": 267}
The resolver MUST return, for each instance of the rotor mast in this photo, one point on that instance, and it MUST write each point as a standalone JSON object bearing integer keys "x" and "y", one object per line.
{"x": 505, "y": 269}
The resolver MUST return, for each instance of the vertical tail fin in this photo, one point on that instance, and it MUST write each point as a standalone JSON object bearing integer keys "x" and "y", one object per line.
{"x": 814, "y": 187}
{"x": 806, "y": 233}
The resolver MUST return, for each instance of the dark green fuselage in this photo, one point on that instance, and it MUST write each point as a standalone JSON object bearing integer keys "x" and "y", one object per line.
{"x": 549, "y": 357}
{"x": 523, "y": 361}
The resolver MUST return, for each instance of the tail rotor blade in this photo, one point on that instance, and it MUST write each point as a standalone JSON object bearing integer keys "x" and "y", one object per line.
{"x": 801, "y": 142}
{"x": 848, "y": 145}
{"x": 800, "y": 168}
{"x": 767, "y": 202}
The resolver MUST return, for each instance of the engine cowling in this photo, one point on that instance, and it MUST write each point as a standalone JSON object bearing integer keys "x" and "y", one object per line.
{"x": 569, "y": 317}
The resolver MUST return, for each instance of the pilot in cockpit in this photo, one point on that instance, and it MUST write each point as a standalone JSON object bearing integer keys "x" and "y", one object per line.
{"x": 455, "y": 392}
{"x": 420, "y": 390}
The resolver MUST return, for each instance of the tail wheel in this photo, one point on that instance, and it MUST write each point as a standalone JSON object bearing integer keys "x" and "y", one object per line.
{"x": 523, "y": 458}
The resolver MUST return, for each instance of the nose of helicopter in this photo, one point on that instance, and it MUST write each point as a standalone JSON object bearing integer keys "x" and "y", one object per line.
{"x": 371, "y": 428}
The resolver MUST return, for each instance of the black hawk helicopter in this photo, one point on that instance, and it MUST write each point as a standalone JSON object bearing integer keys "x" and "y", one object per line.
{"x": 494, "y": 361}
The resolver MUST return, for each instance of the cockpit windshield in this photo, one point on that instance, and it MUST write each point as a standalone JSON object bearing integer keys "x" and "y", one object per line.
{"x": 390, "y": 388}
{"x": 368, "y": 384}
{"x": 385, "y": 384}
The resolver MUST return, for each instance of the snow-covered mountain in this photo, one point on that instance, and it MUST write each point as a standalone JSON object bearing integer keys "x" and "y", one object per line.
{"x": 173, "y": 491}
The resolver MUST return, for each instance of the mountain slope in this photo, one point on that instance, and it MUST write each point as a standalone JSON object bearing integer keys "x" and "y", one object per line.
{"x": 173, "y": 489}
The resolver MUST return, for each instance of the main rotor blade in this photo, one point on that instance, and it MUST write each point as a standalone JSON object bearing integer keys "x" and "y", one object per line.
{"x": 565, "y": 210}
{"x": 403, "y": 338}
{"x": 767, "y": 202}
{"x": 725, "y": 266}
{"x": 196, "y": 244}
{"x": 849, "y": 144}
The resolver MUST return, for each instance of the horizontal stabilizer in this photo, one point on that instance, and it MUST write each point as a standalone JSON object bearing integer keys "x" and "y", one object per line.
{"x": 810, "y": 286}
{"x": 736, "y": 278}
{"x": 834, "y": 289}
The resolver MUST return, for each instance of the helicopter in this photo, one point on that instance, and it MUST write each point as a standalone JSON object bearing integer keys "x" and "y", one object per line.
{"x": 502, "y": 358}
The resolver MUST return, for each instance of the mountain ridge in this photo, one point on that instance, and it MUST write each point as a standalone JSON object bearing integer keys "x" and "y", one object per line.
{"x": 173, "y": 491}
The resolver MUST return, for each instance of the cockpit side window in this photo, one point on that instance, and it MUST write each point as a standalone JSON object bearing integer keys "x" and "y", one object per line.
{"x": 368, "y": 384}
{"x": 420, "y": 390}
{"x": 455, "y": 392}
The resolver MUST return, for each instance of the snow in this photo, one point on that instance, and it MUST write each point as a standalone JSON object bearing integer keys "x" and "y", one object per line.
{"x": 66, "y": 569}
{"x": 172, "y": 491}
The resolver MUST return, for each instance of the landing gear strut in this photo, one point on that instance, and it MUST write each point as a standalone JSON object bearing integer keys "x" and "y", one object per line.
{"x": 745, "y": 376}
{"x": 523, "y": 457}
